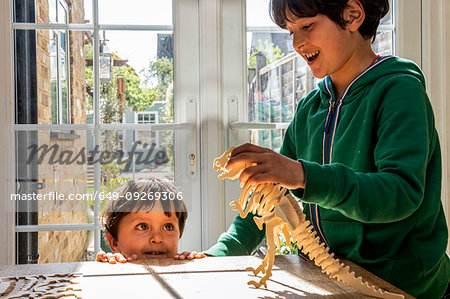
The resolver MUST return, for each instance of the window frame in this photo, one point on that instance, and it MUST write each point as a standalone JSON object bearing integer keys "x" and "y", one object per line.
{"x": 184, "y": 126}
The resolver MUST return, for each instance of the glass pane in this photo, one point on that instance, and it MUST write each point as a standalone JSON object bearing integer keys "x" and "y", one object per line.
{"x": 53, "y": 11}
{"x": 58, "y": 246}
{"x": 140, "y": 79}
{"x": 52, "y": 4}
{"x": 55, "y": 174}
{"x": 133, "y": 154}
{"x": 384, "y": 43}
{"x": 54, "y": 164}
{"x": 387, "y": 20}
{"x": 62, "y": 14}
{"x": 51, "y": 76}
{"x": 267, "y": 138}
{"x": 258, "y": 13}
{"x": 52, "y": 188}
{"x": 135, "y": 12}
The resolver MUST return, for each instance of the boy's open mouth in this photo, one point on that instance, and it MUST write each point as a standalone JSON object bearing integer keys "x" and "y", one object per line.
{"x": 312, "y": 56}
{"x": 154, "y": 253}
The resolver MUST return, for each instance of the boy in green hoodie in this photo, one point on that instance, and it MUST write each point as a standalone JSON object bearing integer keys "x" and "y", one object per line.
{"x": 361, "y": 153}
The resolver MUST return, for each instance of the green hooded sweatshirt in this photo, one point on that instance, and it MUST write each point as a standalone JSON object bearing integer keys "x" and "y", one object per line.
{"x": 372, "y": 178}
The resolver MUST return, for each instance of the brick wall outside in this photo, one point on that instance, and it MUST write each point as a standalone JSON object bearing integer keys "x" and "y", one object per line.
{"x": 65, "y": 246}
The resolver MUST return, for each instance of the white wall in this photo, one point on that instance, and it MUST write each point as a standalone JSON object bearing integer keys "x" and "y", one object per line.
{"x": 436, "y": 66}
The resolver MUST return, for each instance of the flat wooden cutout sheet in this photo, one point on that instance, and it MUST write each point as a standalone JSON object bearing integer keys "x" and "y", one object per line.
{"x": 211, "y": 277}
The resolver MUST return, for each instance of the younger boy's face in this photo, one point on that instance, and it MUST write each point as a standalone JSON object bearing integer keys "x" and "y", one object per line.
{"x": 148, "y": 235}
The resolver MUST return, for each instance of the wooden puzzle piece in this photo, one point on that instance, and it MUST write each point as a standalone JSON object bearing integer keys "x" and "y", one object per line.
{"x": 40, "y": 286}
{"x": 280, "y": 212}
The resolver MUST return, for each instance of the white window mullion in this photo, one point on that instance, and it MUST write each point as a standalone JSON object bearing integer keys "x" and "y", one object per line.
{"x": 186, "y": 91}
{"x": 97, "y": 132}
{"x": 408, "y": 37}
{"x": 234, "y": 99}
{"x": 435, "y": 46}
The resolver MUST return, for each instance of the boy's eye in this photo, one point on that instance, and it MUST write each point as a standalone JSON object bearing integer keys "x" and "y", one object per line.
{"x": 142, "y": 226}
{"x": 168, "y": 227}
{"x": 307, "y": 27}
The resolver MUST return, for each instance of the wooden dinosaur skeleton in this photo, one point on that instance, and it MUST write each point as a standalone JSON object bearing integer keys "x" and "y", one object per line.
{"x": 280, "y": 212}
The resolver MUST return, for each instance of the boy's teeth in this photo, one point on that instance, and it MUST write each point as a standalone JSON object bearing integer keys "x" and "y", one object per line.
{"x": 311, "y": 54}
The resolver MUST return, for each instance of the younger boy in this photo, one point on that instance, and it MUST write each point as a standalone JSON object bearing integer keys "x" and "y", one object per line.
{"x": 145, "y": 222}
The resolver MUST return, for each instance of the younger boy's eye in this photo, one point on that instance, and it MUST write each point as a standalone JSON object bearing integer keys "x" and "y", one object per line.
{"x": 168, "y": 227}
{"x": 142, "y": 226}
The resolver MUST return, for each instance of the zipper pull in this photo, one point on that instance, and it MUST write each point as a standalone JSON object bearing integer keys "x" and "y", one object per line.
{"x": 330, "y": 116}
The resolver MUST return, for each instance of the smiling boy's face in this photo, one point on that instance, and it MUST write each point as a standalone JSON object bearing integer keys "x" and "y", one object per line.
{"x": 148, "y": 235}
{"x": 328, "y": 48}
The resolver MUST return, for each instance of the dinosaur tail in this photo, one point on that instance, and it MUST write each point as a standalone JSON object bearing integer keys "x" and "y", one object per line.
{"x": 309, "y": 243}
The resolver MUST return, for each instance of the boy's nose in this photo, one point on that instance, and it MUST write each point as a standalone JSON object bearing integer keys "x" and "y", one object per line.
{"x": 156, "y": 238}
{"x": 298, "y": 41}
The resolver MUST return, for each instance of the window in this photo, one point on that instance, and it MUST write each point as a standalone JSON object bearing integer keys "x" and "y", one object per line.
{"x": 105, "y": 75}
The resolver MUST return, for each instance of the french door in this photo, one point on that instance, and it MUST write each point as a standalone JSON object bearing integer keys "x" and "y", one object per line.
{"x": 105, "y": 93}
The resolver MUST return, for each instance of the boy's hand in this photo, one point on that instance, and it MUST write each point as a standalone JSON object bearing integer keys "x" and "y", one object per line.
{"x": 271, "y": 167}
{"x": 190, "y": 255}
{"x": 112, "y": 258}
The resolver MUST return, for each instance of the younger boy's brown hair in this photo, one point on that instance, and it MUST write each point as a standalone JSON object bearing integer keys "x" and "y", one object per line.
{"x": 140, "y": 196}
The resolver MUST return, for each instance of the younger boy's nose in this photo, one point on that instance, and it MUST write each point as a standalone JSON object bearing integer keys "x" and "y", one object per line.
{"x": 156, "y": 238}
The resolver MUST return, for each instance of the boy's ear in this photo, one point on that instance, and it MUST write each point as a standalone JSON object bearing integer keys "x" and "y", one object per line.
{"x": 354, "y": 15}
{"x": 112, "y": 243}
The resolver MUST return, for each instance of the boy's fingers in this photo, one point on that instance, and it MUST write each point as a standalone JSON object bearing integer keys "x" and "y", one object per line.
{"x": 249, "y": 172}
{"x": 100, "y": 257}
{"x": 111, "y": 258}
{"x": 248, "y": 147}
{"x": 189, "y": 255}
{"x": 184, "y": 255}
{"x": 103, "y": 258}
{"x": 120, "y": 258}
{"x": 200, "y": 255}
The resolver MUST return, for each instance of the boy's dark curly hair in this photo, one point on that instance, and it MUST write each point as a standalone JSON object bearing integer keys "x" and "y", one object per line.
{"x": 375, "y": 10}
{"x": 139, "y": 196}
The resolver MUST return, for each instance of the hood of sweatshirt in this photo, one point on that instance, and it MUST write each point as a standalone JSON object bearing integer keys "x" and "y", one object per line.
{"x": 382, "y": 70}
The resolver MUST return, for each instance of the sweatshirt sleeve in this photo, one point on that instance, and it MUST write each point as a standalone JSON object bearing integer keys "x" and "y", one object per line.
{"x": 241, "y": 238}
{"x": 406, "y": 142}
